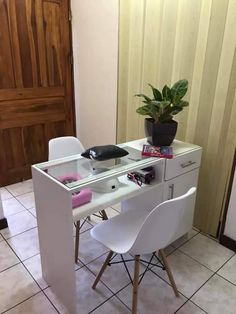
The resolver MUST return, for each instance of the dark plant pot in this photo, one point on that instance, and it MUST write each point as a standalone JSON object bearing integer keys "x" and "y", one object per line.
{"x": 160, "y": 134}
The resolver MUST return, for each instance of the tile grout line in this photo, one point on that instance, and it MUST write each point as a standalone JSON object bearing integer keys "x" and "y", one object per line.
{"x": 114, "y": 294}
{"x": 15, "y": 196}
{"x": 21, "y": 302}
{"x": 214, "y": 273}
{"x": 6, "y": 239}
{"x": 9, "y": 267}
{"x": 40, "y": 289}
{"x": 50, "y": 300}
{"x": 205, "y": 265}
{"x": 176, "y": 312}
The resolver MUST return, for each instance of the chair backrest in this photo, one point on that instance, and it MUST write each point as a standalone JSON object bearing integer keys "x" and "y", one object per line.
{"x": 160, "y": 226}
{"x": 66, "y": 146}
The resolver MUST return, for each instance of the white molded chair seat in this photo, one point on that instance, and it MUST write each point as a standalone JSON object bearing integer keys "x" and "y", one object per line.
{"x": 119, "y": 233}
{"x": 139, "y": 232}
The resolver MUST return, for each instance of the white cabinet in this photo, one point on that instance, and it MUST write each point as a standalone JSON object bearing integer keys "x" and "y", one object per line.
{"x": 178, "y": 186}
{"x": 181, "y": 173}
{"x": 182, "y": 163}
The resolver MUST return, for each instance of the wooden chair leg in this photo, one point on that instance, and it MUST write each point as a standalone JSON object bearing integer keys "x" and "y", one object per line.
{"x": 169, "y": 273}
{"x": 77, "y": 234}
{"x": 99, "y": 275}
{"x": 104, "y": 215}
{"x": 135, "y": 284}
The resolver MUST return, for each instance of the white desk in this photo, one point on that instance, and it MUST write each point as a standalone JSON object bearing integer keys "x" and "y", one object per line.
{"x": 55, "y": 215}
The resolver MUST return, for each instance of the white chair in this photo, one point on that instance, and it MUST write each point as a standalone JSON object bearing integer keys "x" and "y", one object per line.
{"x": 63, "y": 147}
{"x": 138, "y": 232}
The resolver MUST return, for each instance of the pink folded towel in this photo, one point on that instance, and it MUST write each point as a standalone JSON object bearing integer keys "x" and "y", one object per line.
{"x": 79, "y": 198}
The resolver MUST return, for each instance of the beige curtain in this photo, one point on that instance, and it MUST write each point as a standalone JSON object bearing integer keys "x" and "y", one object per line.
{"x": 162, "y": 41}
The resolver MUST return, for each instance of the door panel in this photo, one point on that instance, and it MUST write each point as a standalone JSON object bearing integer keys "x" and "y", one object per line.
{"x": 36, "y": 93}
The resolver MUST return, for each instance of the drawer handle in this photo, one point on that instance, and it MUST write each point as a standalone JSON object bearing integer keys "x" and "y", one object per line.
{"x": 171, "y": 191}
{"x": 188, "y": 163}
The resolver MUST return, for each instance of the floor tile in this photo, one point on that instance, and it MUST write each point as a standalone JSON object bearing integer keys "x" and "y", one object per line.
{"x": 114, "y": 306}
{"x": 7, "y": 256}
{"x": 190, "y": 308}
{"x": 33, "y": 212}
{"x": 11, "y": 206}
{"x": 114, "y": 282}
{"x": 189, "y": 275}
{"x": 16, "y": 285}
{"x": 155, "y": 296}
{"x": 110, "y": 213}
{"x": 56, "y": 302}
{"x": 217, "y": 296}
{"x": 19, "y": 223}
{"x": 86, "y": 226}
{"x": 27, "y": 200}
{"x": 37, "y": 304}
{"x": 207, "y": 251}
{"x": 146, "y": 257}
{"x": 33, "y": 265}
{"x": 5, "y": 194}
{"x": 1, "y": 238}
{"x": 25, "y": 244}
{"x": 184, "y": 238}
{"x": 19, "y": 188}
{"x": 228, "y": 271}
{"x": 117, "y": 207}
{"x": 87, "y": 298}
{"x": 89, "y": 248}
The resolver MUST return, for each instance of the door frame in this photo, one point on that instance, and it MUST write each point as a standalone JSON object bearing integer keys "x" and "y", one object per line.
{"x": 225, "y": 240}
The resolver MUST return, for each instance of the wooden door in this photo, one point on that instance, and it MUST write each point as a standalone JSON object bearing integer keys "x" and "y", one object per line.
{"x": 36, "y": 94}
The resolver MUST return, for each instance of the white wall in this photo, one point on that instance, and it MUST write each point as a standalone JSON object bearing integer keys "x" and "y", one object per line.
{"x": 95, "y": 50}
{"x": 230, "y": 229}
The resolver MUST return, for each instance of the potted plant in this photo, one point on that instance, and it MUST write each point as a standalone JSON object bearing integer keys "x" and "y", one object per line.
{"x": 160, "y": 128}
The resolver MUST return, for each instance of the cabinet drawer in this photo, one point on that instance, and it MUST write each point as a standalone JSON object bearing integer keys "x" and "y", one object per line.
{"x": 182, "y": 164}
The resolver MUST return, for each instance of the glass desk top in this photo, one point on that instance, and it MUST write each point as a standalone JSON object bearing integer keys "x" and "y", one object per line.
{"x": 77, "y": 171}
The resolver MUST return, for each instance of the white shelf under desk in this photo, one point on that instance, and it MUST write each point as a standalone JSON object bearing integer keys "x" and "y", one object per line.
{"x": 127, "y": 189}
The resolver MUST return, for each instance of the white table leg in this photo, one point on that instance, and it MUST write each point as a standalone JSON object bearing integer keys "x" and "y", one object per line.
{"x": 55, "y": 226}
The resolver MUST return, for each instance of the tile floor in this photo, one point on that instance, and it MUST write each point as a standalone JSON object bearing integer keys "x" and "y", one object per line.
{"x": 203, "y": 269}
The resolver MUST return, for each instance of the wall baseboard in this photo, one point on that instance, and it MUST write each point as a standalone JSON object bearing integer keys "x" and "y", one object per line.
{"x": 228, "y": 242}
{"x": 3, "y": 223}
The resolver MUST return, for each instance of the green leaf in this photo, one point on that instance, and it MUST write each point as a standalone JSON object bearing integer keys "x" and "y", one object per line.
{"x": 177, "y": 110}
{"x": 147, "y": 110}
{"x": 156, "y": 93}
{"x": 183, "y": 103}
{"x": 144, "y": 96}
{"x": 156, "y": 104}
{"x": 164, "y": 104}
{"x": 165, "y": 117}
{"x": 179, "y": 89}
{"x": 166, "y": 93}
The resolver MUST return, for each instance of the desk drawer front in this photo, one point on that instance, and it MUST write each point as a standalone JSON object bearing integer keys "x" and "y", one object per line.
{"x": 182, "y": 164}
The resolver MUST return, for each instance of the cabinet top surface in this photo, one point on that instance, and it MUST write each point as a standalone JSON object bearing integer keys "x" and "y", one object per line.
{"x": 76, "y": 171}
